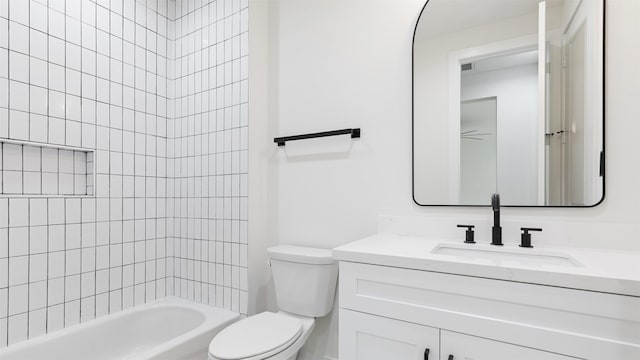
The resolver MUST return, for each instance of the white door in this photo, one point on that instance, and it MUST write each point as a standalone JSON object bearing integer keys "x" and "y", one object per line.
{"x": 369, "y": 337}
{"x": 575, "y": 117}
{"x": 456, "y": 346}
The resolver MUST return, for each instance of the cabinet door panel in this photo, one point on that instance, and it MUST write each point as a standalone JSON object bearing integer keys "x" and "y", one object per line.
{"x": 466, "y": 347}
{"x": 369, "y": 337}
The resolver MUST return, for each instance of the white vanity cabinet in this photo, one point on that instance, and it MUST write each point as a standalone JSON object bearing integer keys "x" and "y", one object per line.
{"x": 370, "y": 337}
{"x": 456, "y": 346}
{"x": 389, "y": 312}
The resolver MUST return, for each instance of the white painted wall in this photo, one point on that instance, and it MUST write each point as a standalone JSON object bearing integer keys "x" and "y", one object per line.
{"x": 339, "y": 63}
{"x": 516, "y": 91}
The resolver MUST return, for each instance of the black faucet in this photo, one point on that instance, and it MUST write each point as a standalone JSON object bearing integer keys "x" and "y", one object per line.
{"x": 496, "y": 230}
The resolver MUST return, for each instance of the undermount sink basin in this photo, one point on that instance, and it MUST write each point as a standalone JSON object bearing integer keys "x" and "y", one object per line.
{"x": 506, "y": 255}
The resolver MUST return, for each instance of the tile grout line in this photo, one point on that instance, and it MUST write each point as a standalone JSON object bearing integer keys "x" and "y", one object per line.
{"x": 95, "y": 181}
{"x": 122, "y": 186}
{"x": 74, "y": 178}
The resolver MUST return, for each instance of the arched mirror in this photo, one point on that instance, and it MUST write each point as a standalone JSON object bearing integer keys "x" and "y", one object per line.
{"x": 508, "y": 98}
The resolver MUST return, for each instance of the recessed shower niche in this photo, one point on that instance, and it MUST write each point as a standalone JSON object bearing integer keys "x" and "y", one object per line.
{"x": 32, "y": 169}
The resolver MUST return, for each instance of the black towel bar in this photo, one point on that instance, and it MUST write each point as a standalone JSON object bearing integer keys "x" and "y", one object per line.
{"x": 355, "y": 133}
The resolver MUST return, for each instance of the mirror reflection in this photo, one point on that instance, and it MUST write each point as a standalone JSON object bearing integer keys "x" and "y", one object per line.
{"x": 508, "y": 98}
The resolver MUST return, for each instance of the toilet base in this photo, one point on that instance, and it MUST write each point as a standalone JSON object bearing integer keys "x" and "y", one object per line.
{"x": 293, "y": 357}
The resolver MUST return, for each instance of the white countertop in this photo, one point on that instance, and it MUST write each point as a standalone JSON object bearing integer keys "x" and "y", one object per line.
{"x": 607, "y": 271}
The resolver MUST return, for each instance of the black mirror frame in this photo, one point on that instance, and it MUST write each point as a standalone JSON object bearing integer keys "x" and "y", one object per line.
{"x": 604, "y": 124}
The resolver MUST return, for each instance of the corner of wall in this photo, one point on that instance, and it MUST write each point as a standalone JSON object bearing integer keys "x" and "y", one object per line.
{"x": 260, "y": 290}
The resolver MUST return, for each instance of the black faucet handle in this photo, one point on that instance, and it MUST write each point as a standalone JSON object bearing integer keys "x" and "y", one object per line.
{"x": 469, "y": 234}
{"x": 525, "y": 238}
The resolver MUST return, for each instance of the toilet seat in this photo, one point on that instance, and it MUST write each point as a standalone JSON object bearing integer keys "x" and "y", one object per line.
{"x": 256, "y": 337}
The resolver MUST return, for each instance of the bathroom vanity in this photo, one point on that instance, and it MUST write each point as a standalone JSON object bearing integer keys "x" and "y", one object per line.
{"x": 404, "y": 297}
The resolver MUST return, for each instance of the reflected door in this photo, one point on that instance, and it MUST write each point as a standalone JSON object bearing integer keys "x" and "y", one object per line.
{"x": 478, "y": 150}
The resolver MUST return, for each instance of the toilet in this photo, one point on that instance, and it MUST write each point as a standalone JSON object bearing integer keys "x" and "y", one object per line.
{"x": 305, "y": 284}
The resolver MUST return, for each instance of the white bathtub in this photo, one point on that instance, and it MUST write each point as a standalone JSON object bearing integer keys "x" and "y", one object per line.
{"x": 170, "y": 328}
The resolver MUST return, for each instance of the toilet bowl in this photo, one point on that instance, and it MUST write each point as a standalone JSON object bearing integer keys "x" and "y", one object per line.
{"x": 305, "y": 283}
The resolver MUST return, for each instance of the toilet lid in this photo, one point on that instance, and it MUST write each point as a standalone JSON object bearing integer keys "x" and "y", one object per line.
{"x": 257, "y": 336}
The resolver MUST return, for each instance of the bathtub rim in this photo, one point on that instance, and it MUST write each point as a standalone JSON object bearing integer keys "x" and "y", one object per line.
{"x": 214, "y": 317}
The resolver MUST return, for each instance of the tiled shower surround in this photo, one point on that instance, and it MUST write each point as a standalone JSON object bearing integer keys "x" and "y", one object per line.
{"x": 156, "y": 90}
{"x": 208, "y": 172}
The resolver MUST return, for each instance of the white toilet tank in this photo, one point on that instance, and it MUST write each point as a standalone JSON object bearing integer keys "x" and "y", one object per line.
{"x": 305, "y": 279}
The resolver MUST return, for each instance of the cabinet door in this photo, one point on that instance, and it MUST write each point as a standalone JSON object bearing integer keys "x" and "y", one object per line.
{"x": 369, "y": 337}
{"x": 456, "y": 346}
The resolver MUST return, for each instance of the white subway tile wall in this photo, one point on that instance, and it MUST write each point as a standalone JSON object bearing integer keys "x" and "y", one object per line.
{"x": 158, "y": 89}
{"x": 208, "y": 127}
{"x": 90, "y": 74}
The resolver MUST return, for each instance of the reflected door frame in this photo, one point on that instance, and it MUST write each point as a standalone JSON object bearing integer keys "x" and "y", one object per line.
{"x": 456, "y": 59}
